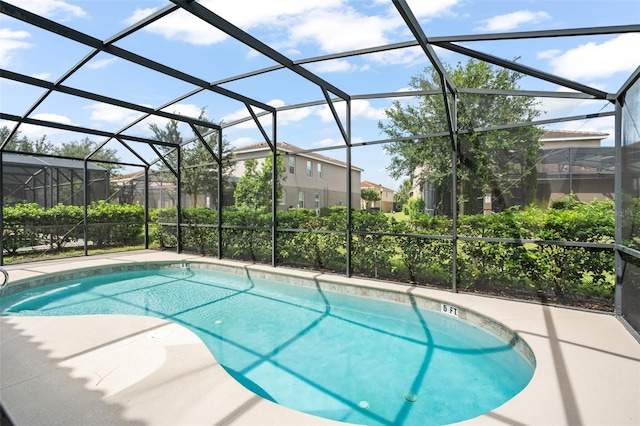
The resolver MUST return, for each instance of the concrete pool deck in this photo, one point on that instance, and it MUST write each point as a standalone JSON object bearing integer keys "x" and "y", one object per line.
{"x": 121, "y": 369}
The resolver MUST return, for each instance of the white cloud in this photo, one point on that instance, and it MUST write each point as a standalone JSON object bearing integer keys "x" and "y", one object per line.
{"x": 139, "y": 14}
{"x": 61, "y": 10}
{"x": 407, "y": 56}
{"x": 111, "y": 113}
{"x": 336, "y": 65}
{"x": 342, "y": 30}
{"x": 183, "y": 26}
{"x": 42, "y": 75}
{"x": 359, "y": 109}
{"x": 100, "y": 63}
{"x": 329, "y": 142}
{"x": 548, "y": 54}
{"x": 431, "y": 8}
{"x": 284, "y": 117}
{"x": 37, "y": 132}
{"x": 56, "y": 118}
{"x": 512, "y": 20}
{"x": 10, "y": 41}
{"x": 593, "y": 60}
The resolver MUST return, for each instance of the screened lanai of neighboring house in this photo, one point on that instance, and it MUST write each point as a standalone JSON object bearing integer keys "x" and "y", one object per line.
{"x": 324, "y": 76}
{"x": 49, "y": 181}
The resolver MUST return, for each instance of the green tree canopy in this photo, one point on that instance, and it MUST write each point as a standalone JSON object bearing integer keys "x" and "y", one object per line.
{"x": 74, "y": 149}
{"x": 489, "y": 162}
{"x": 370, "y": 196}
{"x": 83, "y": 148}
{"x": 254, "y": 187}
{"x": 21, "y": 143}
{"x": 199, "y": 169}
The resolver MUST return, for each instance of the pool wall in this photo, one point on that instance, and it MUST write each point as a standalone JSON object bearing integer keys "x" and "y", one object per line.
{"x": 393, "y": 292}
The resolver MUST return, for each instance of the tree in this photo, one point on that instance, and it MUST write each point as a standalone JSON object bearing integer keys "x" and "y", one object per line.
{"x": 254, "y": 186}
{"x": 370, "y": 196}
{"x": 489, "y": 162}
{"x": 20, "y": 143}
{"x": 83, "y": 148}
{"x": 402, "y": 195}
{"x": 199, "y": 169}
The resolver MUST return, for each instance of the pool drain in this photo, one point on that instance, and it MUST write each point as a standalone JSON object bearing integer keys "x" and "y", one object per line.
{"x": 410, "y": 396}
{"x": 363, "y": 404}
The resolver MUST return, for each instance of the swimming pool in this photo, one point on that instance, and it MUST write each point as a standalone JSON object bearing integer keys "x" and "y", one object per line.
{"x": 312, "y": 346}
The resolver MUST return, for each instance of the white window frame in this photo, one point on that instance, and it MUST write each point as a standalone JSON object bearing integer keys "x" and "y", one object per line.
{"x": 301, "y": 199}
{"x": 319, "y": 170}
{"x": 309, "y": 169}
{"x": 292, "y": 165}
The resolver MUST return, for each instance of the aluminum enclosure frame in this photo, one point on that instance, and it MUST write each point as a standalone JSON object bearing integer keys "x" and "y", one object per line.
{"x": 331, "y": 94}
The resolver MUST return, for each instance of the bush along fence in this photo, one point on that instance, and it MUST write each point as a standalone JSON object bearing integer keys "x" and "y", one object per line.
{"x": 563, "y": 254}
{"x": 27, "y": 226}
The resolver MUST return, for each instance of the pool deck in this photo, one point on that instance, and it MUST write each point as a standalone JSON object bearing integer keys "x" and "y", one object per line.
{"x": 117, "y": 369}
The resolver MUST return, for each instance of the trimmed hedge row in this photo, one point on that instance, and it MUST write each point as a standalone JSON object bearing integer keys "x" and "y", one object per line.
{"x": 420, "y": 250}
{"x": 28, "y": 225}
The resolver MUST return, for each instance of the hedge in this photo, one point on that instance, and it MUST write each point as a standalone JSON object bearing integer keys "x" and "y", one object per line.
{"x": 418, "y": 250}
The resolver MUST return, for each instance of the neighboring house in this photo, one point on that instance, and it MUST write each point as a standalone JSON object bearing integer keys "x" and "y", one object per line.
{"x": 48, "y": 181}
{"x": 569, "y": 162}
{"x": 311, "y": 180}
{"x": 572, "y": 162}
{"x": 162, "y": 192}
{"x": 386, "y": 197}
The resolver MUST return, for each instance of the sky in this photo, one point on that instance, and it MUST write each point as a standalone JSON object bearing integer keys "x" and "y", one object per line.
{"x": 299, "y": 30}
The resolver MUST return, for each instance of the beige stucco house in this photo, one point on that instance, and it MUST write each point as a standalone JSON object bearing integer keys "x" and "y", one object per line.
{"x": 386, "y": 197}
{"x": 311, "y": 180}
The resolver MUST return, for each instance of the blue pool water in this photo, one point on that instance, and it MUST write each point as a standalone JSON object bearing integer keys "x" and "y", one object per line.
{"x": 342, "y": 357}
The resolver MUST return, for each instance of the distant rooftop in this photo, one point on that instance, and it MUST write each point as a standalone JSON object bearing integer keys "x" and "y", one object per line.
{"x": 571, "y": 135}
{"x": 288, "y": 148}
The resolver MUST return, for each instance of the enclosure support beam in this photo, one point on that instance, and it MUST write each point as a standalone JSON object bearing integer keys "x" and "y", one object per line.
{"x": 220, "y": 194}
{"x": 514, "y": 66}
{"x": 349, "y": 189}
{"x": 454, "y": 196}
{"x": 85, "y": 213}
{"x": 274, "y": 191}
{"x": 619, "y": 264}
{"x": 179, "y": 200}
{"x": 146, "y": 207}
{"x": 225, "y": 26}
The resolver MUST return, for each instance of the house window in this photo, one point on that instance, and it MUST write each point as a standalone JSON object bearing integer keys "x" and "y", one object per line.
{"x": 319, "y": 170}
{"x": 309, "y": 169}
{"x": 283, "y": 198}
{"x": 292, "y": 165}
{"x": 317, "y": 197}
{"x": 301, "y": 199}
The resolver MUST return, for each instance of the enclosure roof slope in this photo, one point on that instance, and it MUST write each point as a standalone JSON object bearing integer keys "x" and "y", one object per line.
{"x": 319, "y": 72}
{"x": 34, "y": 161}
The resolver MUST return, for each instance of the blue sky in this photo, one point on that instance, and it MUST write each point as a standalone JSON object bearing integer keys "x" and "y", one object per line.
{"x": 300, "y": 29}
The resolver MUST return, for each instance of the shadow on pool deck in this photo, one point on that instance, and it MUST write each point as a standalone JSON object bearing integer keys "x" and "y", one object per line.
{"x": 71, "y": 397}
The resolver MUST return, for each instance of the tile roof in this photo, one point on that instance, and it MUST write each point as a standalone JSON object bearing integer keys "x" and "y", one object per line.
{"x": 572, "y": 134}
{"x": 367, "y": 184}
{"x": 288, "y": 148}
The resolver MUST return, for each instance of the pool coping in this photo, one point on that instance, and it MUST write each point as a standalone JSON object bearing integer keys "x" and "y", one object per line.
{"x": 587, "y": 364}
